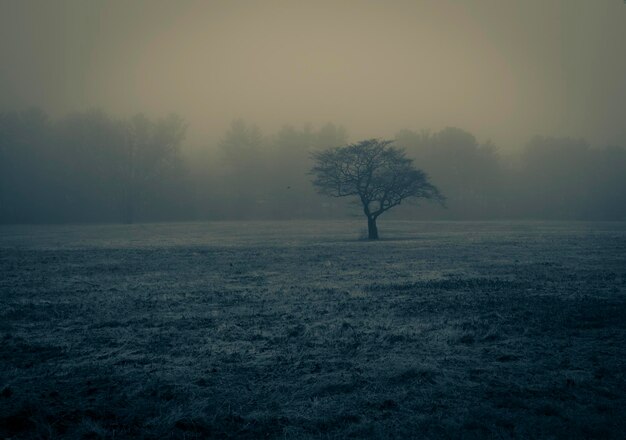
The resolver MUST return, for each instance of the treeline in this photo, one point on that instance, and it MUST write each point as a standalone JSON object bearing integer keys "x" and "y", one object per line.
{"x": 551, "y": 178}
{"x": 91, "y": 167}
{"x": 252, "y": 176}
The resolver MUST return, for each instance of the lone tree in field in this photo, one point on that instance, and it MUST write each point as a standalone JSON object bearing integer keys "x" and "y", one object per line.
{"x": 380, "y": 176}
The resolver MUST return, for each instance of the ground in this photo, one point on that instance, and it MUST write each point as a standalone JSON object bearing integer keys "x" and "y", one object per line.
{"x": 305, "y": 330}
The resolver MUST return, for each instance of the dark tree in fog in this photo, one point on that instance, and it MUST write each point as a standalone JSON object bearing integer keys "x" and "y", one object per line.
{"x": 244, "y": 175}
{"x": 290, "y": 160}
{"x": 469, "y": 173}
{"x": 151, "y": 159}
{"x": 379, "y": 175}
{"x": 25, "y": 164}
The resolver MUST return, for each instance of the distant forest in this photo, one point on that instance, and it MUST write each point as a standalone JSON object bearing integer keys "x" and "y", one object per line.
{"x": 91, "y": 167}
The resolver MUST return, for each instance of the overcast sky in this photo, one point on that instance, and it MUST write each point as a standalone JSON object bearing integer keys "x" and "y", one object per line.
{"x": 504, "y": 70}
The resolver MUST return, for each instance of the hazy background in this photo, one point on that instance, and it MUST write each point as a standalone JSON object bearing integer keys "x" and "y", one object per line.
{"x": 502, "y": 71}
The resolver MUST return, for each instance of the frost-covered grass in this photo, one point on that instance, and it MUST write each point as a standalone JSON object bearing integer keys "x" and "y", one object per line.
{"x": 301, "y": 330}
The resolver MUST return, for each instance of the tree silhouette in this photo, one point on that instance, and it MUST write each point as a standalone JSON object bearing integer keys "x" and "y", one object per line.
{"x": 150, "y": 158}
{"x": 380, "y": 176}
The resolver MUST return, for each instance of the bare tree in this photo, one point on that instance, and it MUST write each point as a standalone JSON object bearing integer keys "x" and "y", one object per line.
{"x": 380, "y": 176}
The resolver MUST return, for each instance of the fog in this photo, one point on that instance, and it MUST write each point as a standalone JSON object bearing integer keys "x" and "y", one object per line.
{"x": 517, "y": 86}
{"x": 503, "y": 70}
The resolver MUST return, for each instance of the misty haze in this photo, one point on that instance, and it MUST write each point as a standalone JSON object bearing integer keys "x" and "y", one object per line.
{"x": 290, "y": 219}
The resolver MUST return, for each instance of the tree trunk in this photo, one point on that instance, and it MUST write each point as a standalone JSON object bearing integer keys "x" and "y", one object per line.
{"x": 372, "y": 229}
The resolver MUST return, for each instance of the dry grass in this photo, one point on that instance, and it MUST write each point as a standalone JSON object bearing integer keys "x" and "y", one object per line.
{"x": 453, "y": 330}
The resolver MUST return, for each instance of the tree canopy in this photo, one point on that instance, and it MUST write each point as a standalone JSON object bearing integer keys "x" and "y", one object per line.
{"x": 378, "y": 175}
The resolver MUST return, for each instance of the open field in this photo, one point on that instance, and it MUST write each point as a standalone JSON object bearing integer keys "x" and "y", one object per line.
{"x": 302, "y": 330}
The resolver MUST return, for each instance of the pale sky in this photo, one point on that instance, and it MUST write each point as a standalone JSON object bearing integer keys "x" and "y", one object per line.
{"x": 502, "y": 69}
